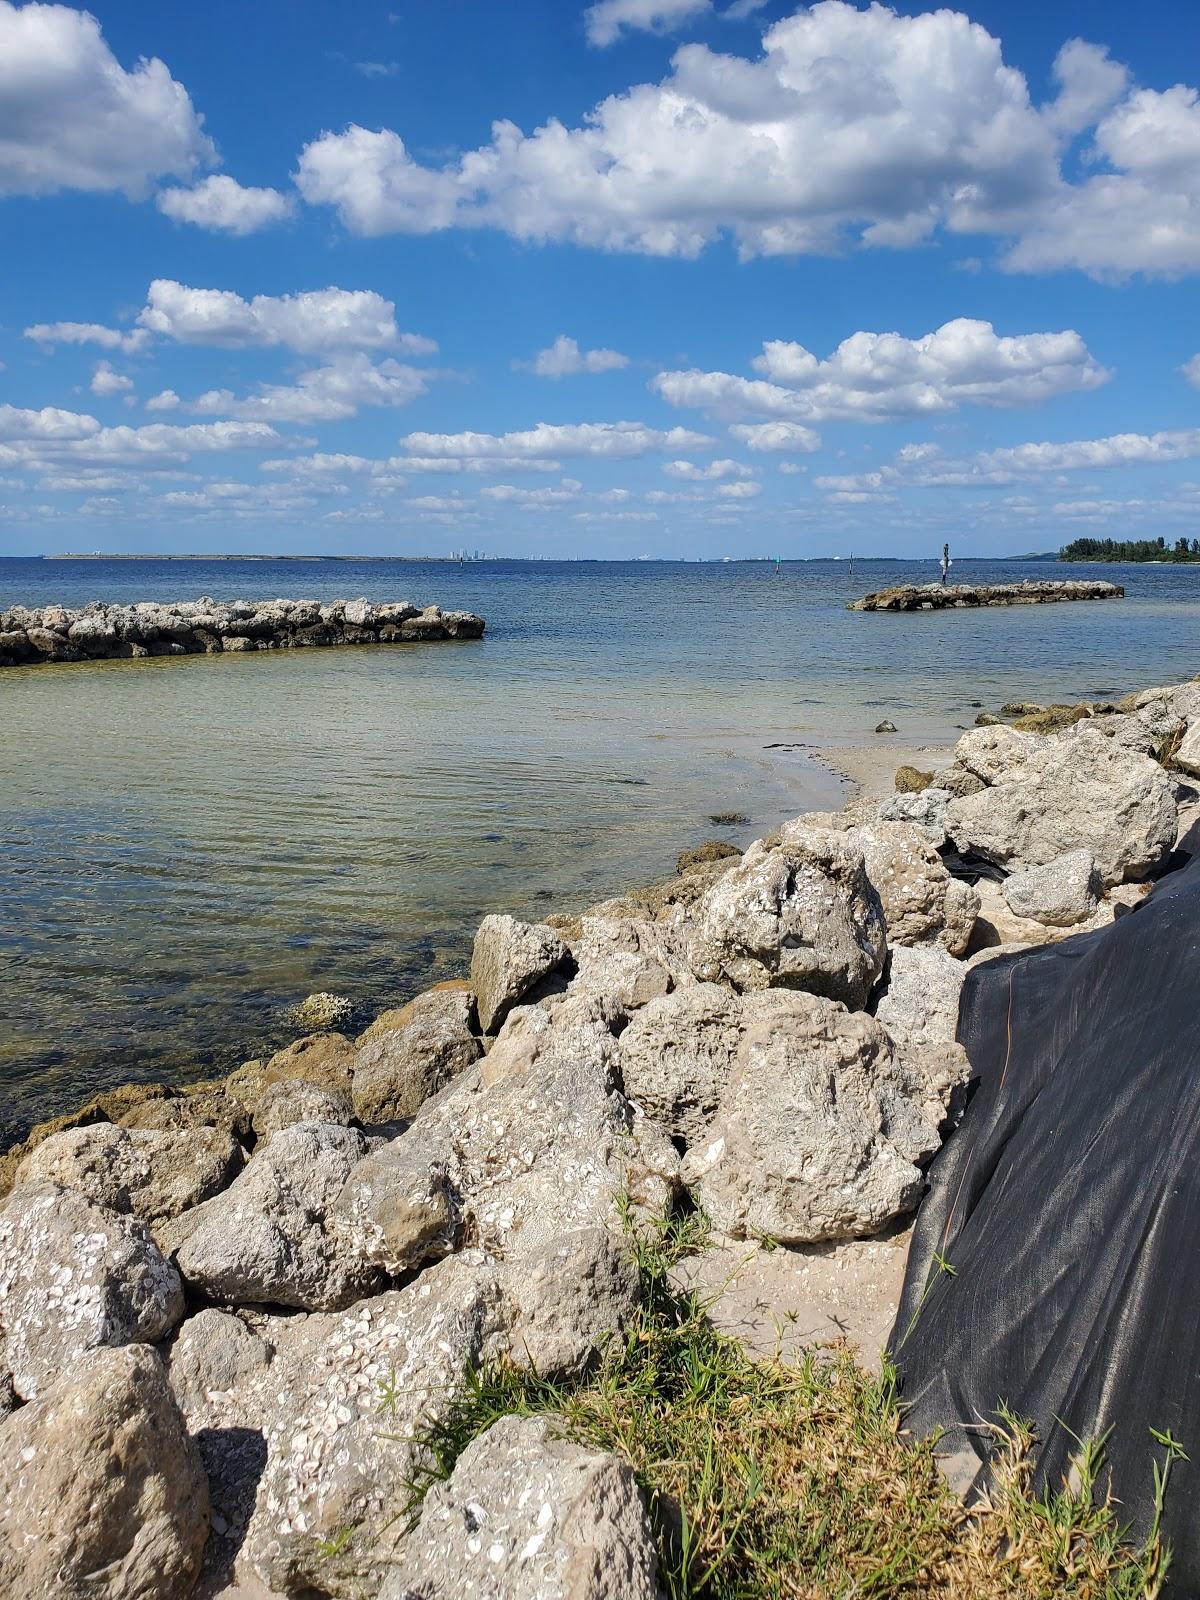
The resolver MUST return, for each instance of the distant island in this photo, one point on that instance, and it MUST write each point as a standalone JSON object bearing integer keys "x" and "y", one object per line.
{"x": 1130, "y": 550}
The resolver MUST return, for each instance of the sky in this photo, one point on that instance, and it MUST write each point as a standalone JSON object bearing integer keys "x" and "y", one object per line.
{"x": 676, "y": 278}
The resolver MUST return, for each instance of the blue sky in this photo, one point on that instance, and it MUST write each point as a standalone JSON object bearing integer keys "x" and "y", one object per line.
{"x": 667, "y": 277}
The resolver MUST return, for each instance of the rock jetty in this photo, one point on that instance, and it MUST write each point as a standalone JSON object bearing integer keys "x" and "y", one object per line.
{"x": 206, "y": 627}
{"x": 962, "y": 596}
{"x": 231, "y": 1315}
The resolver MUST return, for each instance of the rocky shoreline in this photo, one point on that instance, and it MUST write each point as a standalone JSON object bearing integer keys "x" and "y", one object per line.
{"x": 258, "y": 1295}
{"x": 965, "y": 596}
{"x": 100, "y": 632}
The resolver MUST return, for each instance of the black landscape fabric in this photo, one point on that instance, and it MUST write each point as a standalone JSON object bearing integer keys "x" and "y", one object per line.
{"x": 1066, "y": 1207}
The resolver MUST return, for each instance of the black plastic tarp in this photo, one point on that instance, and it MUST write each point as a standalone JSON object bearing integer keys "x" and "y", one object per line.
{"x": 1055, "y": 1263}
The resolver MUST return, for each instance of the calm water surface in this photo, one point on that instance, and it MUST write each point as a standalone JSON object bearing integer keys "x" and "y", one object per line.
{"x": 187, "y": 847}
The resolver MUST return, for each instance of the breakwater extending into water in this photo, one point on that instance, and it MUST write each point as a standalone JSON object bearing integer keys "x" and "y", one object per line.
{"x": 964, "y": 596}
{"x": 209, "y": 627}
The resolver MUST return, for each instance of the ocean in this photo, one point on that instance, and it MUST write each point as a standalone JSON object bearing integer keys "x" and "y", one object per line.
{"x": 190, "y": 846}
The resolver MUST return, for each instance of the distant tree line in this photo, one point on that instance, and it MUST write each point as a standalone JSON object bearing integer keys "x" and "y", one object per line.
{"x": 1130, "y": 550}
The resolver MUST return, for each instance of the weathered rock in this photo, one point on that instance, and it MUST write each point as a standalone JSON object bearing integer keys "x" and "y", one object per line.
{"x": 629, "y": 960}
{"x": 526, "y": 1153}
{"x": 509, "y": 960}
{"x": 802, "y": 916}
{"x": 920, "y": 900}
{"x": 1046, "y": 796}
{"x": 1059, "y": 894}
{"x": 1187, "y": 757}
{"x": 293, "y": 1100}
{"x": 819, "y": 1132}
{"x": 942, "y": 596}
{"x": 925, "y": 809}
{"x": 706, "y": 855}
{"x": 409, "y": 1054}
{"x": 911, "y": 780}
{"x": 527, "y": 1515}
{"x": 565, "y": 1301}
{"x": 326, "y": 1059}
{"x": 677, "y": 1054}
{"x": 265, "y": 1241}
{"x": 213, "y": 1354}
{"x": 154, "y": 1175}
{"x": 73, "y": 1277}
{"x": 919, "y": 1009}
{"x": 101, "y": 1491}
{"x": 345, "y": 1410}
{"x": 323, "y": 1011}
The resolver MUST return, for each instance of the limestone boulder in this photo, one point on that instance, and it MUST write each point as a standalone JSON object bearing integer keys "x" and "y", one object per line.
{"x": 1059, "y": 894}
{"x": 925, "y": 810}
{"x": 324, "y": 1011}
{"x": 677, "y": 1054}
{"x": 409, "y": 1054}
{"x": 1187, "y": 757}
{"x": 293, "y": 1100}
{"x": 509, "y": 960}
{"x": 213, "y": 1355}
{"x": 75, "y": 1277}
{"x": 529, "y": 1515}
{"x": 326, "y": 1059}
{"x": 102, "y": 1493}
{"x": 1045, "y": 796}
{"x": 629, "y": 959}
{"x": 919, "y": 1007}
{"x": 153, "y": 1175}
{"x": 820, "y": 1131}
{"x": 800, "y": 915}
{"x": 265, "y": 1239}
{"x": 345, "y": 1407}
{"x": 921, "y": 901}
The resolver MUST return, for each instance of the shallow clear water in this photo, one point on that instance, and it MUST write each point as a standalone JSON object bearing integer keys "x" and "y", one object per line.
{"x": 190, "y": 846}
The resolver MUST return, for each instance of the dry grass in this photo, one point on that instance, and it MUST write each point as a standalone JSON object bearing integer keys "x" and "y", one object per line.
{"x": 799, "y": 1483}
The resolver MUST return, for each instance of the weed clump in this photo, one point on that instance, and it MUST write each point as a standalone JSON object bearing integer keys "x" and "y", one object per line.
{"x": 766, "y": 1481}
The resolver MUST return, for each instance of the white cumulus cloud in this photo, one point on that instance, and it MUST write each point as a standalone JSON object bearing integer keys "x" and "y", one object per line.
{"x": 71, "y": 117}
{"x": 52, "y": 333}
{"x": 709, "y": 474}
{"x": 853, "y": 125}
{"x": 605, "y": 21}
{"x": 223, "y": 205}
{"x": 874, "y": 376}
{"x": 107, "y": 381}
{"x": 564, "y": 358}
{"x": 545, "y": 441}
{"x": 318, "y": 319}
{"x": 330, "y": 393}
{"x": 793, "y": 436}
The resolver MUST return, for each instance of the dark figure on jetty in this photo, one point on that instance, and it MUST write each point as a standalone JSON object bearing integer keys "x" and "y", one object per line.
{"x": 945, "y": 563}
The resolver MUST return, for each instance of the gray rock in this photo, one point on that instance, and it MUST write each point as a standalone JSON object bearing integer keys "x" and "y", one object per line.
{"x": 264, "y": 1241}
{"x": 925, "y": 810}
{"x": 677, "y": 1054}
{"x": 920, "y": 900}
{"x": 213, "y": 1354}
{"x": 345, "y": 1405}
{"x": 803, "y": 915}
{"x": 919, "y": 1008}
{"x": 630, "y": 960}
{"x": 528, "y": 1515}
{"x": 1059, "y": 894}
{"x": 409, "y": 1054}
{"x": 1187, "y": 757}
{"x": 154, "y": 1175}
{"x": 819, "y": 1131}
{"x": 322, "y": 1058}
{"x": 73, "y": 1277}
{"x": 293, "y": 1100}
{"x": 101, "y": 1491}
{"x": 509, "y": 960}
{"x": 564, "y": 1302}
{"x": 1045, "y": 796}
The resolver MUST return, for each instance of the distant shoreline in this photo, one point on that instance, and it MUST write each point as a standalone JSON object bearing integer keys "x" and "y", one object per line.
{"x": 470, "y": 561}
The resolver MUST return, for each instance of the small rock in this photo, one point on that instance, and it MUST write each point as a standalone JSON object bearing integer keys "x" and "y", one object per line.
{"x": 703, "y": 855}
{"x": 911, "y": 780}
{"x": 510, "y": 959}
{"x": 323, "y": 1012}
{"x": 886, "y": 726}
{"x": 326, "y": 1059}
{"x": 213, "y": 1354}
{"x": 73, "y": 1277}
{"x": 101, "y": 1490}
{"x": 527, "y": 1515}
{"x": 1060, "y": 894}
